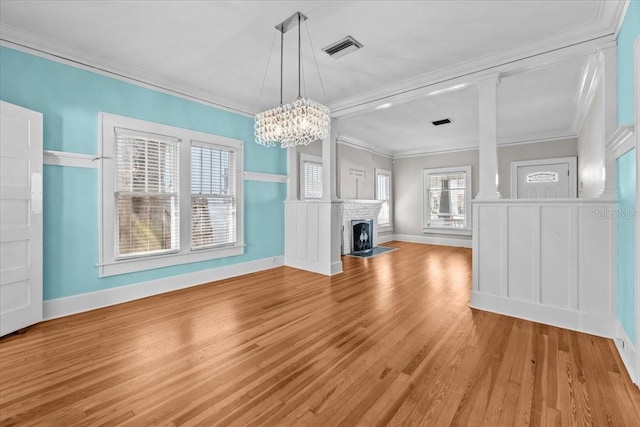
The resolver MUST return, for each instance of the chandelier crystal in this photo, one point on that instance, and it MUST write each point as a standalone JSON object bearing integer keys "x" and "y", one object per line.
{"x": 296, "y": 123}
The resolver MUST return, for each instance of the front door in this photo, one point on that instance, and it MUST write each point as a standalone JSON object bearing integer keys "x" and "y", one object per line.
{"x": 545, "y": 179}
{"x": 20, "y": 217}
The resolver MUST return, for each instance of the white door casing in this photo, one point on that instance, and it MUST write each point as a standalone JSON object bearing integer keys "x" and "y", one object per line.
{"x": 20, "y": 217}
{"x": 544, "y": 179}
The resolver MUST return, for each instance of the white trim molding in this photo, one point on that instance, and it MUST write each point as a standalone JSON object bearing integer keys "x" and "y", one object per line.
{"x": 362, "y": 145}
{"x": 65, "y": 158}
{"x": 463, "y": 242}
{"x": 17, "y": 39}
{"x": 628, "y": 352}
{"x": 622, "y": 141}
{"x": 265, "y": 177}
{"x": 66, "y": 306}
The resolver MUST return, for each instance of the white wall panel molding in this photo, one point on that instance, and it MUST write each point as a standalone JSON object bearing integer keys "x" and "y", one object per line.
{"x": 66, "y": 306}
{"x": 63, "y": 158}
{"x": 622, "y": 141}
{"x": 265, "y": 177}
{"x": 551, "y": 261}
{"x": 312, "y": 229}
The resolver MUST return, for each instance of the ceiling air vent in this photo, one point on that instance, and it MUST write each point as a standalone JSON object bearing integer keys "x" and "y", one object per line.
{"x": 441, "y": 122}
{"x": 342, "y": 47}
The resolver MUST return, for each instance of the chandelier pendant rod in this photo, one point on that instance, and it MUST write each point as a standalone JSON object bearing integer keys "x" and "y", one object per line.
{"x": 299, "y": 55}
{"x": 281, "y": 63}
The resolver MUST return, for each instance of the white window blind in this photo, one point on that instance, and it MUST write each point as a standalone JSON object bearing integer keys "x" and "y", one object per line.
{"x": 383, "y": 192}
{"x": 447, "y": 196}
{"x": 312, "y": 180}
{"x": 146, "y": 194}
{"x": 213, "y": 196}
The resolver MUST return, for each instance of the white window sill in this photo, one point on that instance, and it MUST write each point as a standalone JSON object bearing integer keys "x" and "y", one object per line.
{"x": 385, "y": 228}
{"x": 133, "y": 265}
{"x": 444, "y": 230}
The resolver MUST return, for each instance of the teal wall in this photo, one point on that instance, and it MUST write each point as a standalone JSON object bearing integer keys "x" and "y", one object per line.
{"x": 625, "y": 244}
{"x": 626, "y": 310}
{"x": 70, "y": 99}
{"x": 629, "y": 31}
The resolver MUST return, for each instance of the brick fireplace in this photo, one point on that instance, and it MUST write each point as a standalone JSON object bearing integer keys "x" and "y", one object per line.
{"x": 358, "y": 210}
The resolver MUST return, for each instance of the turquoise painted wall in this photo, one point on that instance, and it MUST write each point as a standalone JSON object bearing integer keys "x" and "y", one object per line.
{"x": 625, "y": 244}
{"x": 629, "y": 31}
{"x": 70, "y": 99}
{"x": 626, "y": 310}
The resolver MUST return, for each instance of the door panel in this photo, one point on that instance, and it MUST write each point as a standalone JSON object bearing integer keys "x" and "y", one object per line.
{"x": 20, "y": 217}
{"x": 544, "y": 179}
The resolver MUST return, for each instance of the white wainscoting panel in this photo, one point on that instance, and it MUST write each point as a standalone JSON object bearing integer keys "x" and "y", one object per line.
{"x": 550, "y": 261}
{"x": 313, "y": 236}
{"x": 489, "y": 242}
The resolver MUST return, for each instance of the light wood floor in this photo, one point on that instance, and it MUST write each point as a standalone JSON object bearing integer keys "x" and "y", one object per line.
{"x": 389, "y": 342}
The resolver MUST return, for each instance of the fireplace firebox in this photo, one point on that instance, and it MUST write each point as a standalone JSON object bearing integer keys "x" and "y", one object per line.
{"x": 362, "y": 236}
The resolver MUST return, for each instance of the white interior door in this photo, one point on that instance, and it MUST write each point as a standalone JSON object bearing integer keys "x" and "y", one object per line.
{"x": 20, "y": 218}
{"x": 544, "y": 179}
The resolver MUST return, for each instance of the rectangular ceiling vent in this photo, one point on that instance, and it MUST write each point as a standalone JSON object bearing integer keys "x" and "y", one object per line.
{"x": 342, "y": 47}
{"x": 441, "y": 122}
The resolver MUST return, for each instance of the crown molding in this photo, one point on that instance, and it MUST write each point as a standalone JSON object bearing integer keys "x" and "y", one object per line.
{"x": 362, "y": 145}
{"x": 522, "y": 140}
{"x": 26, "y": 42}
{"x": 579, "y": 41}
{"x": 621, "y": 141}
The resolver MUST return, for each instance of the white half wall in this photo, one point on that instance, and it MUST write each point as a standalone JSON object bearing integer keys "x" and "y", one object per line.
{"x": 312, "y": 236}
{"x": 551, "y": 262}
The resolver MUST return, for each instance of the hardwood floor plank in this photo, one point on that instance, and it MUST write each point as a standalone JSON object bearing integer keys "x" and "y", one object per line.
{"x": 390, "y": 341}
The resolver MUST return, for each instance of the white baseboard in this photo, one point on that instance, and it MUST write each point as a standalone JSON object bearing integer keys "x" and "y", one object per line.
{"x": 433, "y": 240}
{"x": 313, "y": 266}
{"x": 66, "y": 306}
{"x": 580, "y": 321}
{"x": 627, "y": 352}
{"x": 386, "y": 238}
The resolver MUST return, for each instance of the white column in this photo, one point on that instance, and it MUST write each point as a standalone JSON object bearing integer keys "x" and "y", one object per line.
{"x": 608, "y": 57}
{"x": 487, "y": 137}
{"x": 292, "y": 171}
{"x": 329, "y": 163}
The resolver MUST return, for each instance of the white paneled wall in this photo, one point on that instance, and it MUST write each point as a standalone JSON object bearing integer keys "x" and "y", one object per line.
{"x": 546, "y": 261}
{"x": 307, "y": 243}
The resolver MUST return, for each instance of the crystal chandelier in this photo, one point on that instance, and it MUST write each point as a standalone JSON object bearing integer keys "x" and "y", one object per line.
{"x": 296, "y": 123}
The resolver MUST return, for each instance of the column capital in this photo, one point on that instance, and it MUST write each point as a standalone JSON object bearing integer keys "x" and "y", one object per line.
{"x": 488, "y": 79}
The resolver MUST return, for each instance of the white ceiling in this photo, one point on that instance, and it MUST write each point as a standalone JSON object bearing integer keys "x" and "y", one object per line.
{"x": 218, "y": 51}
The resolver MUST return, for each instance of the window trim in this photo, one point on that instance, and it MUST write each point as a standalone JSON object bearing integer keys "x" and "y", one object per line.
{"x": 108, "y": 265}
{"x": 380, "y": 171}
{"x": 467, "y": 229}
{"x": 304, "y": 157}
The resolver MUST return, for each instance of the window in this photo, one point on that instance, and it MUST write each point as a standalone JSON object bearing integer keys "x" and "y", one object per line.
{"x": 383, "y": 192}
{"x": 310, "y": 176}
{"x": 168, "y": 196}
{"x": 447, "y": 200}
{"x": 146, "y": 194}
{"x": 213, "y": 202}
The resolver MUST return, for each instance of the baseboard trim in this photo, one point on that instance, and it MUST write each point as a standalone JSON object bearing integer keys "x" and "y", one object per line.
{"x": 580, "y": 321}
{"x": 66, "y": 306}
{"x": 432, "y": 240}
{"x": 628, "y": 352}
{"x": 314, "y": 266}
